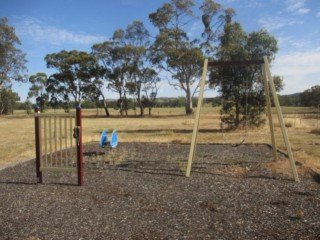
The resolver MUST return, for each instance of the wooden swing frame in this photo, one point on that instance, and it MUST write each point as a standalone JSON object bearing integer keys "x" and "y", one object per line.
{"x": 268, "y": 82}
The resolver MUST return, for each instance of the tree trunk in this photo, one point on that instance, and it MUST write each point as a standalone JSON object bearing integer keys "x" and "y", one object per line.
{"x": 105, "y": 105}
{"x": 2, "y": 105}
{"x": 121, "y": 103}
{"x": 141, "y": 107}
{"x": 237, "y": 120}
{"x": 125, "y": 104}
{"x": 141, "y": 111}
{"x": 188, "y": 103}
{"x": 106, "y": 110}
{"x": 121, "y": 107}
{"x": 150, "y": 109}
{"x": 139, "y": 99}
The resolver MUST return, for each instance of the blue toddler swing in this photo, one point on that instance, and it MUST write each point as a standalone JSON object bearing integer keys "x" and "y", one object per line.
{"x": 113, "y": 140}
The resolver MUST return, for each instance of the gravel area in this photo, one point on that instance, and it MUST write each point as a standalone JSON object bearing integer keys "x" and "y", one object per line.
{"x": 139, "y": 191}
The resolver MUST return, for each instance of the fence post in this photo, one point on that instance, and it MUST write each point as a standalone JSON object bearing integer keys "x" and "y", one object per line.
{"x": 37, "y": 138}
{"x": 79, "y": 146}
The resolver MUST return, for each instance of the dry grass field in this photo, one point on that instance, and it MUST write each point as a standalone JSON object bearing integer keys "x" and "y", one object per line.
{"x": 170, "y": 126}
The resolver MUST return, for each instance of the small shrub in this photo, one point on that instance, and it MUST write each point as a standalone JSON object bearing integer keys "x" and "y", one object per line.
{"x": 182, "y": 166}
{"x": 316, "y": 131}
{"x": 288, "y": 124}
{"x": 300, "y": 213}
{"x": 166, "y": 133}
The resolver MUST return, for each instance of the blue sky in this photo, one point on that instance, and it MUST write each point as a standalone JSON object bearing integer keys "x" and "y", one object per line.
{"x": 51, "y": 26}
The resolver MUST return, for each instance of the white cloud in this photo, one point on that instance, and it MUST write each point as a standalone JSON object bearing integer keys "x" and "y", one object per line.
{"x": 39, "y": 32}
{"x": 303, "y": 10}
{"x": 297, "y": 6}
{"x": 290, "y": 41}
{"x": 275, "y": 23}
{"x": 299, "y": 69}
{"x": 293, "y": 5}
{"x": 298, "y": 63}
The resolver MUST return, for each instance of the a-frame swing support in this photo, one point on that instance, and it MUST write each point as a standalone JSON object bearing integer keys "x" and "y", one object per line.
{"x": 268, "y": 82}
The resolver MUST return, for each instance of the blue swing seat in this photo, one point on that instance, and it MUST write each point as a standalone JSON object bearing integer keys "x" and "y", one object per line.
{"x": 104, "y": 139}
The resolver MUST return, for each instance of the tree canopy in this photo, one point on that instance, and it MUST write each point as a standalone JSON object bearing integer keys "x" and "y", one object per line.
{"x": 311, "y": 97}
{"x": 241, "y": 87}
{"x": 8, "y": 101}
{"x": 126, "y": 63}
{"x": 38, "y": 89}
{"x": 173, "y": 50}
{"x": 12, "y": 60}
{"x": 12, "y": 66}
{"x": 72, "y": 81}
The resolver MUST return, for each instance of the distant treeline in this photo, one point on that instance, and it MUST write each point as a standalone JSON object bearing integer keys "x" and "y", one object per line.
{"x": 115, "y": 104}
{"x": 309, "y": 98}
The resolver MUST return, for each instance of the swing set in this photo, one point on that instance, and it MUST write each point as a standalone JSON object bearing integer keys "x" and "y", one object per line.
{"x": 268, "y": 82}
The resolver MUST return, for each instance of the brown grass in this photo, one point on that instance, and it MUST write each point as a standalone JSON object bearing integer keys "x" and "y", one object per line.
{"x": 166, "y": 125}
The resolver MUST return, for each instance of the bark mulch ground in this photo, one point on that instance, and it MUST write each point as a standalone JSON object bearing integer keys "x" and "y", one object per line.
{"x": 139, "y": 191}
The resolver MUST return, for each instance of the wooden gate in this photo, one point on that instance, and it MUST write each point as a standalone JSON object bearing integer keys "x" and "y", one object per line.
{"x": 58, "y": 143}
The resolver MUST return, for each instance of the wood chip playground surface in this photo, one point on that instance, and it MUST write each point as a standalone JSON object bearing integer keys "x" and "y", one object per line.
{"x": 139, "y": 191}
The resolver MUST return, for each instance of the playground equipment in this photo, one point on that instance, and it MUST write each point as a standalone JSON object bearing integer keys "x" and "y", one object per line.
{"x": 113, "y": 140}
{"x": 268, "y": 82}
{"x": 58, "y": 143}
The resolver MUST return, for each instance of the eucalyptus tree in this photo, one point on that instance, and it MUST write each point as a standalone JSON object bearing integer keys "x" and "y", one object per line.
{"x": 114, "y": 60}
{"x": 8, "y": 101}
{"x": 12, "y": 66}
{"x": 125, "y": 58}
{"x": 175, "y": 51}
{"x": 38, "y": 89}
{"x": 110, "y": 59}
{"x": 95, "y": 88}
{"x": 214, "y": 19}
{"x": 12, "y": 60}
{"x": 150, "y": 82}
{"x": 241, "y": 87}
{"x": 75, "y": 69}
{"x": 134, "y": 44}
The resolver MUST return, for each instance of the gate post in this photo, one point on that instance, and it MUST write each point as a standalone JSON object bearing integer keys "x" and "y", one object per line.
{"x": 37, "y": 138}
{"x": 79, "y": 146}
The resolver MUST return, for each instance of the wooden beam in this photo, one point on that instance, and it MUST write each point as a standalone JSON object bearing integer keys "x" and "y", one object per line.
{"x": 235, "y": 63}
{"x": 196, "y": 123}
{"x": 268, "y": 101}
{"x": 281, "y": 121}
